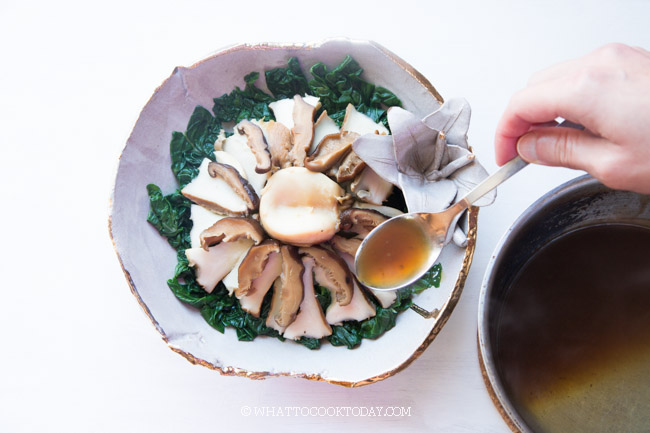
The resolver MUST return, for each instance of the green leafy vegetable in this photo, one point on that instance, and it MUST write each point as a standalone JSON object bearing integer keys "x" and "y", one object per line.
{"x": 343, "y": 85}
{"x": 250, "y": 103}
{"x": 311, "y": 343}
{"x": 188, "y": 149}
{"x": 183, "y": 284}
{"x": 346, "y": 334}
{"x": 287, "y": 82}
{"x": 430, "y": 279}
{"x": 323, "y": 296}
{"x": 170, "y": 214}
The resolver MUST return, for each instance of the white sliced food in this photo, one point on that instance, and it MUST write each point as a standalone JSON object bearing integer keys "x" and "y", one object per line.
{"x": 358, "y": 309}
{"x": 213, "y": 265}
{"x": 224, "y": 157}
{"x": 283, "y": 109}
{"x": 370, "y": 187}
{"x": 384, "y": 210}
{"x": 231, "y": 281}
{"x": 202, "y": 219}
{"x": 314, "y": 101}
{"x": 279, "y": 140}
{"x": 323, "y": 127}
{"x": 252, "y": 302}
{"x": 205, "y": 189}
{"x": 237, "y": 146}
{"x": 221, "y": 138}
{"x": 360, "y": 123}
{"x": 310, "y": 321}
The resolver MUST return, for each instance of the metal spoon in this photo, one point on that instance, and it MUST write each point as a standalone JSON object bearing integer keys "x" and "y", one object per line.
{"x": 378, "y": 249}
{"x": 378, "y": 264}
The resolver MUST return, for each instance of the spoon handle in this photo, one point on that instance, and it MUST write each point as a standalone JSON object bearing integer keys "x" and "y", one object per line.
{"x": 504, "y": 173}
{"x": 496, "y": 179}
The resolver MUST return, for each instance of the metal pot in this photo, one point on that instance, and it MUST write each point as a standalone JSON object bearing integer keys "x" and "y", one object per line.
{"x": 578, "y": 203}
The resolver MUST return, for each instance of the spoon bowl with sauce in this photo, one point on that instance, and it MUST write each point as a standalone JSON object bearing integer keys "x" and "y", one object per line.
{"x": 399, "y": 251}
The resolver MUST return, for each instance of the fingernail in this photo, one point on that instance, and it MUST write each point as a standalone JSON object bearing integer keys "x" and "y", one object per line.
{"x": 527, "y": 147}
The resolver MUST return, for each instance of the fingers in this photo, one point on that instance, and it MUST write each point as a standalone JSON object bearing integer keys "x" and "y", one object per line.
{"x": 540, "y": 103}
{"x": 582, "y": 150}
{"x": 565, "y": 147}
{"x": 582, "y": 90}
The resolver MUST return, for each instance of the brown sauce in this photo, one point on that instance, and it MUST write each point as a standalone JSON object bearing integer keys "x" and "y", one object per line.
{"x": 573, "y": 337}
{"x": 394, "y": 255}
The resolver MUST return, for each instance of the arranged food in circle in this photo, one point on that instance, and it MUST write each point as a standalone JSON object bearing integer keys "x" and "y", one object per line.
{"x": 273, "y": 202}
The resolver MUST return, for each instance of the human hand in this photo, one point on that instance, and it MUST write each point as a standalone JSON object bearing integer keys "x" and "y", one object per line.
{"x": 608, "y": 92}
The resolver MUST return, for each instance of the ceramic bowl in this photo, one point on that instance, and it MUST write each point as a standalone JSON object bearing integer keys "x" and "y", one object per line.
{"x": 148, "y": 261}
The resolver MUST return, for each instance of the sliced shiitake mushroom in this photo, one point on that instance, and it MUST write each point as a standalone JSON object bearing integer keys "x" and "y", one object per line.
{"x": 331, "y": 272}
{"x": 215, "y": 263}
{"x": 257, "y": 272}
{"x": 358, "y": 309}
{"x": 330, "y": 150}
{"x": 239, "y": 185}
{"x": 303, "y": 130}
{"x": 287, "y": 290}
{"x": 257, "y": 143}
{"x": 279, "y": 140}
{"x": 345, "y": 245}
{"x": 360, "y": 221}
{"x": 323, "y": 127}
{"x": 217, "y": 192}
{"x": 230, "y": 229}
{"x": 350, "y": 167}
{"x": 253, "y": 265}
{"x": 310, "y": 321}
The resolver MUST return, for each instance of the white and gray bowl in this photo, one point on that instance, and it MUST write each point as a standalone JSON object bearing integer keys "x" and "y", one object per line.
{"x": 148, "y": 261}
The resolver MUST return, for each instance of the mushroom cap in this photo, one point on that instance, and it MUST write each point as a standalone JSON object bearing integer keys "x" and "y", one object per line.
{"x": 331, "y": 149}
{"x": 230, "y": 229}
{"x": 217, "y": 193}
{"x": 215, "y": 263}
{"x": 360, "y": 221}
{"x": 252, "y": 301}
{"x": 253, "y": 265}
{"x": 237, "y": 146}
{"x": 323, "y": 127}
{"x": 238, "y": 184}
{"x": 310, "y": 321}
{"x": 350, "y": 167}
{"x": 279, "y": 140}
{"x": 331, "y": 272}
{"x": 287, "y": 290}
{"x": 300, "y": 207}
{"x": 345, "y": 245}
{"x": 358, "y": 309}
{"x": 303, "y": 129}
{"x": 257, "y": 144}
{"x": 202, "y": 219}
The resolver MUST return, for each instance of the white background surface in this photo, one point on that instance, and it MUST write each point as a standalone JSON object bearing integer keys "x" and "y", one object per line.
{"x": 77, "y": 354}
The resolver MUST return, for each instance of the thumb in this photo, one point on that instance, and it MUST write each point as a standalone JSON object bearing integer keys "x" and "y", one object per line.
{"x": 565, "y": 147}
